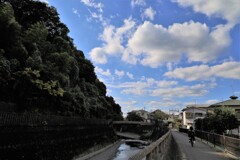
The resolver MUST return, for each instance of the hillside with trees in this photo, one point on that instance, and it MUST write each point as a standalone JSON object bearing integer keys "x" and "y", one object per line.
{"x": 41, "y": 71}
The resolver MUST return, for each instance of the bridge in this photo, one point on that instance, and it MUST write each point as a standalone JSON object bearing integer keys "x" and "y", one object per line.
{"x": 132, "y": 129}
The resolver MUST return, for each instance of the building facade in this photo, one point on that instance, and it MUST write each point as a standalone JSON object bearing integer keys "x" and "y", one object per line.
{"x": 191, "y": 113}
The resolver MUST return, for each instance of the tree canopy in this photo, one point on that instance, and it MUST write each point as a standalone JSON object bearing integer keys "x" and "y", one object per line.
{"x": 133, "y": 116}
{"x": 158, "y": 114}
{"x": 40, "y": 68}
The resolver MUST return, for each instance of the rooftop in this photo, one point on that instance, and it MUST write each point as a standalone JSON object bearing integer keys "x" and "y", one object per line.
{"x": 231, "y": 102}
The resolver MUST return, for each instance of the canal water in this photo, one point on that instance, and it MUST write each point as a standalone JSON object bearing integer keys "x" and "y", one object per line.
{"x": 125, "y": 151}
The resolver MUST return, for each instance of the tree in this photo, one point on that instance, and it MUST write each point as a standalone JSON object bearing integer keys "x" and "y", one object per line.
{"x": 132, "y": 116}
{"x": 41, "y": 69}
{"x": 158, "y": 114}
{"x": 223, "y": 119}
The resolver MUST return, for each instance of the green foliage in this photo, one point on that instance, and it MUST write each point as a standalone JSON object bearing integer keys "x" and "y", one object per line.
{"x": 223, "y": 119}
{"x": 132, "y": 116}
{"x": 34, "y": 75}
{"x": 42, "y": 71}
{"x": 158, "y": 114}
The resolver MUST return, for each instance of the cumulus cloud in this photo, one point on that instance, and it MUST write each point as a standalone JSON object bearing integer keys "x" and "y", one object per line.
{"x": 149, "y": 13}
{"x": 181, "y": 91}
{"x": 102, "y": 72}
{"x": 153, "y": 45}
{"x": 166, "y": 83}
{"x": 112, "y": 38}
{"x": 119, "y": 73}
{"x": 129, "y": 75}
{"x": 138, "y": 3}
{"x": 204, "y": 72}
{"x": 91, "y": 3}
{"x": 142, "y": 87}
{"x": 157, "y": 104}
{"x": 228, "y": 10}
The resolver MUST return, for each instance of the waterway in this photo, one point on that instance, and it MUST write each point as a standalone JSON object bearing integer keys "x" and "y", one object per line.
{"x": 125, "y": 151}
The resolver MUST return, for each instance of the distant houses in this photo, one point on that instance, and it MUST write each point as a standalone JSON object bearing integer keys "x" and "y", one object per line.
{"x": 192, "y": 112}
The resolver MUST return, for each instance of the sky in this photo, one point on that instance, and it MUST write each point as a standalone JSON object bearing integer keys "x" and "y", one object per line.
{"x": 159, "y": 54}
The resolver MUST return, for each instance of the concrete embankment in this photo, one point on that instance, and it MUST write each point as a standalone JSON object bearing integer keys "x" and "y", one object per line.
{"x": 105, "y": 153}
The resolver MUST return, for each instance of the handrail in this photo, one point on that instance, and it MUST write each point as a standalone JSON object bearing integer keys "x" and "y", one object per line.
{"x": 152, "y": 148}
{"x": 229, "y": 144}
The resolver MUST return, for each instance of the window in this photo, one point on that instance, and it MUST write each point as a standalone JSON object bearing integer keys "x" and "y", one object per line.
{"x": 189, "y": 115}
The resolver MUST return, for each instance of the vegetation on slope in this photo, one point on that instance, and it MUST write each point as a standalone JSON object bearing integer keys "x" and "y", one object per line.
{"x": 40, "y": 68}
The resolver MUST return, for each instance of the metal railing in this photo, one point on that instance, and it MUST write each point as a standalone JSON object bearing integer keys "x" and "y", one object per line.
{"x": 229, "y": 144}
{"x": 155, "y": 150}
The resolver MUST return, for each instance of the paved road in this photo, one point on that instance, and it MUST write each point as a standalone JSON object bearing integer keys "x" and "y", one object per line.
{"x": 200, "y": 151}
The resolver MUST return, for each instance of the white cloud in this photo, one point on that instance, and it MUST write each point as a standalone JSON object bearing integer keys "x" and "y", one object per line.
{"x": 75, "y": 11}
{"x": 134, "y": 91}
{"x": 119, "y": 73}
{"x": 169, "y": 66}
{"x": 129, "y": 75}
{"x": 98, "y": 17}
{"x": 149, "y": 13}
{"x": 158, "y": 104}
{"x": 143, "y": 87}
{"x": 91, "y": 3}
{"x": 112, "y": 38}
{"x": 182, "y": 91}
{"x": 102, "y": 72}
{"x": 166, "y": 83}
{"x": 138, "y": 3}
{"x": 98, "y": 55}
{"x": 204, "y": 72}
{"x": 228, "y": 10}
{"x": 152, "y": 45}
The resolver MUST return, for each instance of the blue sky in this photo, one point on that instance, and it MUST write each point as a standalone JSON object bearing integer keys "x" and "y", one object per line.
{"x": 159, "y": 54}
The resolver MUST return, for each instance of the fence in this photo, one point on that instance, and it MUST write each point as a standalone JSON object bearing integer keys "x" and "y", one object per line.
{"x": 50, "y": 137}
{"x": 156, "y": 150}
{"x": 229, "y": 144}
{"x": 26, "y": 119}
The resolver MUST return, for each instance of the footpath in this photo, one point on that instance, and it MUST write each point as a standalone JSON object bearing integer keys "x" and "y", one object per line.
{"x": 200, "y": 150}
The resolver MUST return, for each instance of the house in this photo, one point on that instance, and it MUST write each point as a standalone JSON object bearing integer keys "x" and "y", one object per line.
{"x": 233, "y": 102}
{"x": 191, "y": 113}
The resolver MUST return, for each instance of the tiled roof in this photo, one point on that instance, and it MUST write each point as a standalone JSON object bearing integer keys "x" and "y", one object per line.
{"x": 230, "y": 102}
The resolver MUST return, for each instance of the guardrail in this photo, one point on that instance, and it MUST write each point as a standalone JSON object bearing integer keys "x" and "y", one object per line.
{"x": 229, "y": 144}
{"x": 156, "y": 150}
